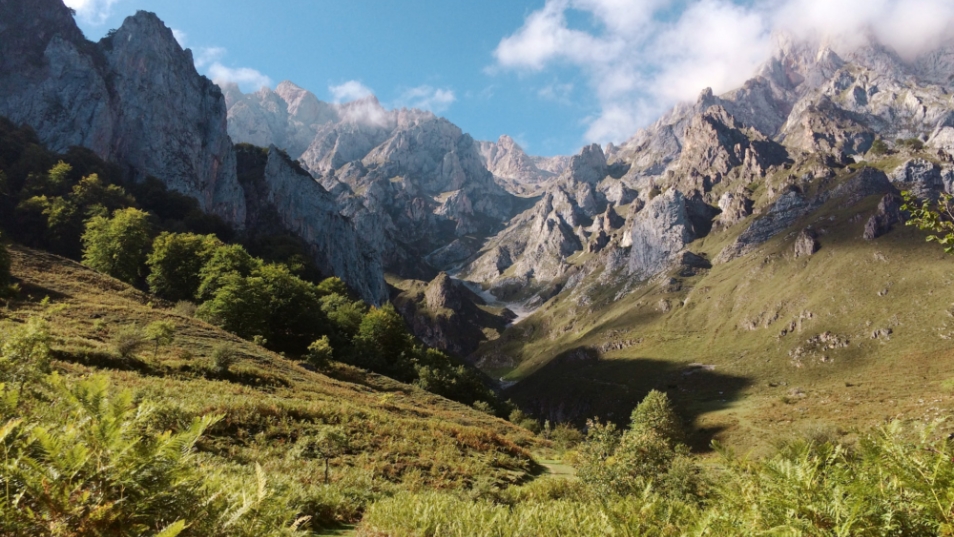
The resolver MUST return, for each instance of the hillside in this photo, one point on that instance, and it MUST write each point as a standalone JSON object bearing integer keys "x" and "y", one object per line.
{"x": 398, "y": 436}
{"x": 757, "y": 347}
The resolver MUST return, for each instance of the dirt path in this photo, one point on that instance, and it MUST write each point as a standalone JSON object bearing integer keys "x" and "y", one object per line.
{"x": 557, "y": 468}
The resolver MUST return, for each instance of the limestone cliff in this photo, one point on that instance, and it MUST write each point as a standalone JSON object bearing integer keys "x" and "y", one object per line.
{"x": 134, "y": 98}
{"x": 413, "y": 183}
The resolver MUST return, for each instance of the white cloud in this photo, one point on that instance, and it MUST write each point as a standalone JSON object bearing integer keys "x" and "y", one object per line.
{"x": 209, "y": 59}
{"x": 365, "y": 111}
{"x": 427, "y": 98}
{"x": 247, "y": 78}
{"x": 181, "y": 37}
{"x": 205, "y": 56}
{"x": 642, "y": 56}
{"x": 92, "y": 11}
{"x": 351, "y": 90}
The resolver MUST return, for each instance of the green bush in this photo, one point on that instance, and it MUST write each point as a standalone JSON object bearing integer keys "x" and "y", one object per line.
{"x": 25, "y": 354}
{"x": 320, "y": 352}
{"x": 87, "y": 461}
{"x": 878, "y": 147}
{"x": 223, "y": 357}
{"x": 128, "y": 341}
{"x": 161, "y": 333}
{"x": 118, "y": 246}
{"x": 272, "y": 303}
{"x": 649, "y": 453}
{"x": 175, "y": 264}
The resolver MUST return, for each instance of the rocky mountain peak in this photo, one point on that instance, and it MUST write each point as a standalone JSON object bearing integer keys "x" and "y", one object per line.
{"x": 26, "y": 29}
{"x": 589, "y": 166}
{"x": 134, "y": 98}
{"x": 442, "y": 293}
{"x": 706, "y": 98}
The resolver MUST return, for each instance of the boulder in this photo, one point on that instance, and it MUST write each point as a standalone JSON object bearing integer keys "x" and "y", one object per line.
{"x": 806, "y": 243}
{"x": 886, "y": 216}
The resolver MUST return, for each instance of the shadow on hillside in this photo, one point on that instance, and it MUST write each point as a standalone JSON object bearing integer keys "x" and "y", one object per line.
{"x": 31, "y": 292}
{"x": 578, "y": 385}
{"x": 243, "y": 373}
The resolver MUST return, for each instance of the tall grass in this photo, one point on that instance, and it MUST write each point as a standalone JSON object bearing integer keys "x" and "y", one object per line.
{"x": 897, "y": 481}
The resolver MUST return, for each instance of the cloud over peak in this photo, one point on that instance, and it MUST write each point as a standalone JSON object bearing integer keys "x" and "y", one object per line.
{"x": 92, "y": 11}
{"x": 210, "y": 60}
{"x": 426, "y": 97}
{"x": 640, "y": 57}
{"x": 351, "y": 90}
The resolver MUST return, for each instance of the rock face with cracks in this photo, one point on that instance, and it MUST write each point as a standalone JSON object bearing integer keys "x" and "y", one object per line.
{"x": 133, "y": 98}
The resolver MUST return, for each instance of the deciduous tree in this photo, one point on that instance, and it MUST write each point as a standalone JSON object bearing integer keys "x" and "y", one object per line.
{"x": 118, "y": 246}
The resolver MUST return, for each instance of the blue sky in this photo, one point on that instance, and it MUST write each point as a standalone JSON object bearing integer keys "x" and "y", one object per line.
{"x": 391, "y": 48}
{"x": 553, "y": 74}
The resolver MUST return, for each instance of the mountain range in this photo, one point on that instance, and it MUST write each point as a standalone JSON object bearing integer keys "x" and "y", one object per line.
{"x": 533, "y": 267}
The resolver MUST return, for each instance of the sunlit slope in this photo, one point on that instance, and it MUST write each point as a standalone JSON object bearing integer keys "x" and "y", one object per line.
{"x": 856, "y": 333}
{"x": 395, "y": 433}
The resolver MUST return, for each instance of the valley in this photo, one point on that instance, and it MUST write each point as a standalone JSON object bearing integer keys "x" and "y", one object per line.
{"x": 351, "y": 317}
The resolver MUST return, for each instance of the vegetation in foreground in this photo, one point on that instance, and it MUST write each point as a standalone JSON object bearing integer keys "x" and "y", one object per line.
{"x": 896, "y": 481}
{"x": 218, "y": 435}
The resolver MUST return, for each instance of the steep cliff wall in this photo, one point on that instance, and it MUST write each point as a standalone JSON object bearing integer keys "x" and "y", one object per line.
{"x": 134, "y": 98}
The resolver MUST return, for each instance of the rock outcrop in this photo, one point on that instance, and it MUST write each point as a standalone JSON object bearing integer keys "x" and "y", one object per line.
{"x": 782, "y": 214}
{"x": 133, "y": 98}
{"x": 574, "y": 214}
{"x": 658, "y": 234}
{"x": 516, "y": 171}
{"x": 447, "y": 315}
{"x": 806, "y": 243}
{"x": 885, "y": 218}
{"x": 923, "y": 178}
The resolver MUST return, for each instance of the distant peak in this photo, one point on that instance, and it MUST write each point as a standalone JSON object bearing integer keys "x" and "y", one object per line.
{"x": 706, "y": 97}
{"x": 288, "y": 85}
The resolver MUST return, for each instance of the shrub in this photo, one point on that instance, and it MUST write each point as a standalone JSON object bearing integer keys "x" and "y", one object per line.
{"x": 566, "y": 436}
{"x": 160, "y": 332}
{"x": 90, "y": 462}
{"x": 25, "y": 354}
{"x": 272, "y": 303}
{"x": 185, "y": 308}
{"x": 656, "y": 415}
{"x": 223, "y": 357}
{"x": 878, "y": 147}
{"x": 176, "y": 261}
{"x": 483, "y": 406}
{"x": 320, "y": 352}
{"x": 649, "y": 453}
{"x": 520, "y": 419}
{"x": 325, "y": 444}
{"x": 128, "y": 341}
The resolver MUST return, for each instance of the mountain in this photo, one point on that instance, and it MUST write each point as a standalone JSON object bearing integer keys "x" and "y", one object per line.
{"x": 414, "y": 183}
{"x": 134, "y": 98}
{"x": 742, "y": 243}
{"x": 516, "y": 171}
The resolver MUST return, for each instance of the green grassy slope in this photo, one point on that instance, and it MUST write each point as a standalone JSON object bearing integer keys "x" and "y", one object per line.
{"x": 742, "y": 347}
{"x": 399, "y": 437}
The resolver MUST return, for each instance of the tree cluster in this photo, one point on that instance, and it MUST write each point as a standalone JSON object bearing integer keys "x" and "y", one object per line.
{"x": 78, "y": 206}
